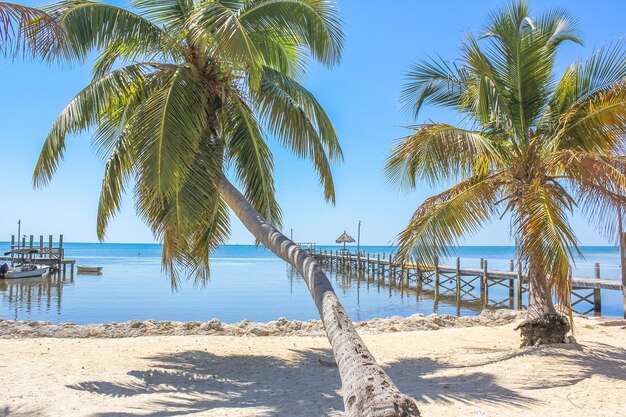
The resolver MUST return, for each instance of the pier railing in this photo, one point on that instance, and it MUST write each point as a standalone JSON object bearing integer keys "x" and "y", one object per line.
{"x": 461, "y": 282}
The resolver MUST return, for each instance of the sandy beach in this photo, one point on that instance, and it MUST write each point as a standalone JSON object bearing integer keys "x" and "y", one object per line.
{"x": 456, "y": 371}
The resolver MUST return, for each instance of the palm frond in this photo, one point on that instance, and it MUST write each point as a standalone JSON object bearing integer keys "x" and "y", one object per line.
{"x": 85, "y": 111}
{"x": 172, "y": 14}
{"x": 438, "y": 152}
{"x": 486, "y": 96}
{"x": 600, "y": 185}
{"x": 315, "y": 23}
{"x": 218, "y": 24}
{"x": 281, "y": 53}
{"x": 252, "y": 159}
{"x": 595, "y": 124}
{"x": 113, "y": 142}
{"x": 194, "y": 221}
{"x": 444, "y": 219}
{"x": 89, "y": 25}
{"x": 117, "y": 173}
{"x": 523, "y": 52}
{"x": 560, "y": 25}
{"x": 201, "y": 203}
{"x": 604, "y": 69}
{"x": 546, "y": 237}
{"x": 167, "y": 131}
{"x": 600, "y": 206}
{"x": 299, "y": 122}
{"x": 433, "y": 81}
{"x": 161, "y": 214}
{"x": 27, "y": 31}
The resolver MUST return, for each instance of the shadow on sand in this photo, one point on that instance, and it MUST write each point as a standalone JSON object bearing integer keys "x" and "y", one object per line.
{"x": 22, "y": 411}
{"x": 564, "y": 365}
{"x": 196, "y": 381}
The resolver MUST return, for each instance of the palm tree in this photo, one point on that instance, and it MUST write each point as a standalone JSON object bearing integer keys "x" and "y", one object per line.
{"x": 183, "y": 96}
{"x": 532, "y": 147}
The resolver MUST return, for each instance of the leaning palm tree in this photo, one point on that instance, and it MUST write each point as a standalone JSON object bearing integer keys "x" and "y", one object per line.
{"x": 183, "y": 97}
{"x": 532, "y": 147}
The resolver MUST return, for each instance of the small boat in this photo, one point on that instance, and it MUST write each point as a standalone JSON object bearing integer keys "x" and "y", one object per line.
{"x": 89, "y": 269}
{"x": 25, "y": 271}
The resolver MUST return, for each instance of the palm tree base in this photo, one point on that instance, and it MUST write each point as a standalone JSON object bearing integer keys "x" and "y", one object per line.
{"x": 550, "y": 328}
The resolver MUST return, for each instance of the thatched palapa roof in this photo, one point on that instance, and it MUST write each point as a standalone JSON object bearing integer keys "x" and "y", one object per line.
{"x": 345, "y": 238}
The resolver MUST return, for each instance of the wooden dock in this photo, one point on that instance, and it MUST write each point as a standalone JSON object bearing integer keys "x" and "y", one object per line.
{"x": 454, "y": 283}
{"x": 49, "y": 255}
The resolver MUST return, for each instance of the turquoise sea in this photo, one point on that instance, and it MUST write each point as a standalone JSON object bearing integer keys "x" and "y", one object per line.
{"x": 247, "y": 282}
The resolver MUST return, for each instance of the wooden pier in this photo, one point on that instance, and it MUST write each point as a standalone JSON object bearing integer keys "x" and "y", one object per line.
{"x": 47, "y": 254}
{"x": 462, "y": 285}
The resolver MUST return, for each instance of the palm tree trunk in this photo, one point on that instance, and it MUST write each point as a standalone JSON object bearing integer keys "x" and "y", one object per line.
{"x": 367, "y": 391}
{"x": 540, "y": 297}
{"x": 543, "y": 324}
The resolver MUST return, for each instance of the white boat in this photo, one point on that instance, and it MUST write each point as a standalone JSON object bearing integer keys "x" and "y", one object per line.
{"x": 26, "y": 271}
{"x": 90, "y": 269}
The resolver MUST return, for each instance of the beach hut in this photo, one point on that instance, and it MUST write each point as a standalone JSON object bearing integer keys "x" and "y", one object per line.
{"x": 345, "y": 238}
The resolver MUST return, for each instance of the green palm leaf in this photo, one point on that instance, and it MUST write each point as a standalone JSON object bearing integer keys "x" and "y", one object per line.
{"x": 315, "y": 24}
{"x": 294, "y": 116}
{"x": 433, "y": 81}
{"x": 437, "y": 153}
{"x": 218, "y": 25}
{"x": 85, "y": 111}
{"x": 442, "y": 220}
{"x": 599, "y": 183}
{"x": 117, "y": 173}
{"x": 252, "y": 159}
{"x": 172, "y": 14}
{"x": 167, "y": 131}
{"x": 87, "y": 25}
{"x": 193, "y": 222}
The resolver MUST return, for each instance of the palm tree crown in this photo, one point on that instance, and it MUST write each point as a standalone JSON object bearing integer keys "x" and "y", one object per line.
{"x": 533, "y": 146}
{"x": 183, "y": 91}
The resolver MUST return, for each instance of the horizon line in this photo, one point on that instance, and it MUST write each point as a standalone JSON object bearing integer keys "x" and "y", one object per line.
{"x": 316, "y": 244}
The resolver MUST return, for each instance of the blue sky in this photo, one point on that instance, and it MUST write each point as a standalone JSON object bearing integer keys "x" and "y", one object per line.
{"x": 361, "y": 96}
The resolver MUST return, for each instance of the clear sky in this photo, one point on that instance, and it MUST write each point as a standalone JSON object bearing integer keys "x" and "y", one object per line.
{"x": 361, "y": 95}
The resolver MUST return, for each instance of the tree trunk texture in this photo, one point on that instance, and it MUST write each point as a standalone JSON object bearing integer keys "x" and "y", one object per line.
{"x": 366, "y": 389}
{"x": 543, "y": 324}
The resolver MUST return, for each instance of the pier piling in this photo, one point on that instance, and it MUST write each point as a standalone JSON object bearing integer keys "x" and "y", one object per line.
{"x": 597, "y": 292}
{"x": 53, "y": 257}
{"x": 460, "y": 284}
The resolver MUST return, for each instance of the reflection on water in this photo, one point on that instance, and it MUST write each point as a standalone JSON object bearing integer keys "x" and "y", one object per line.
{"x": 26, "y": 294}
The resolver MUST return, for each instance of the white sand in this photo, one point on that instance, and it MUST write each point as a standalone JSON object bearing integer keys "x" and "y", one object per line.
{"x": 472, "y": 371}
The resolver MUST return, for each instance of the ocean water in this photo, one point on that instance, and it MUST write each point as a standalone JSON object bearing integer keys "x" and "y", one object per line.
{"x": 247, "y": 282}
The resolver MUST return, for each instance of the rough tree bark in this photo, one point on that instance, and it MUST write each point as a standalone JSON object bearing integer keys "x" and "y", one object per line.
{"x": 367, "y": 390}
{"x": 543, "y": 324}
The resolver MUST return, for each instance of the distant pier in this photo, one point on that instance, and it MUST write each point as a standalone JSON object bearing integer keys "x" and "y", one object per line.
{"x": 462, "y": 285}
